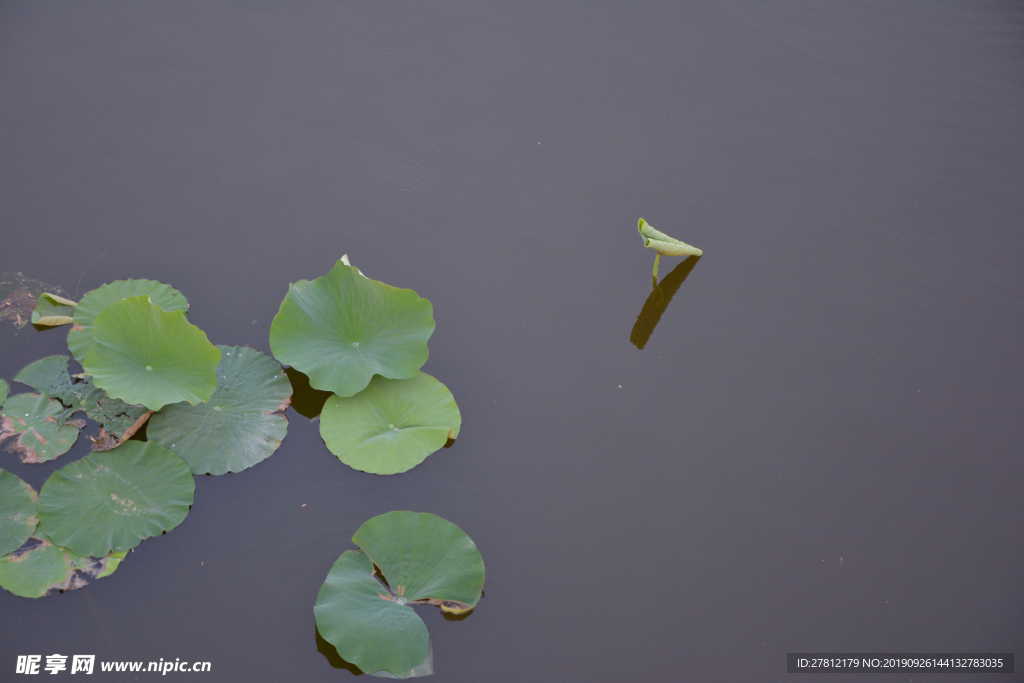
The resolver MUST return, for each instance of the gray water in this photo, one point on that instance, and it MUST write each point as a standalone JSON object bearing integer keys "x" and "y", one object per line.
{"x": 818, "y": 447}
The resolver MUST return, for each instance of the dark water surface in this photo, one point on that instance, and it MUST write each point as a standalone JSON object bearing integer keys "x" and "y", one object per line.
{"x": 817, "y": 449}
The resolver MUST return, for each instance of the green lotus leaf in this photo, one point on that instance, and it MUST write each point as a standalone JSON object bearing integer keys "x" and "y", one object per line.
{"x": 239, "y": 426}
{"x": 40, "y": 566}
{"x": 149, "y": 356}
{"x": 343, "y": 328}
{"x": 392, "y": 425}
{"x": 3, "y": 392}
{"x": 112, "y": 501}
{"x": 19, "y": 507}
{"x": 53, "y": 310}
{"x": 425, "y": 560}
{"x": 50, "y": 375}
{"x": 35, "y": 424}
{"x": 92, "y": 304}
{"x": 663, "y": 244}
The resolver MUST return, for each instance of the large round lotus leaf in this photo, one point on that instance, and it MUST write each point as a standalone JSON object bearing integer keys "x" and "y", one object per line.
{"x": 424, "y": 559}
{"x": 40, "y": 566}
{"x": 392, "y": 425}
{"x": 19, "y": 506}
{"x": 33, "y": 422}
{"x": 3, "y": 391}
{"x": 92, "y": 304}
{"x": 239, "y": 426}
{"x": 111, "y": 501}
{"x": 343, "y": 328}
{"x": 150, "y": 356}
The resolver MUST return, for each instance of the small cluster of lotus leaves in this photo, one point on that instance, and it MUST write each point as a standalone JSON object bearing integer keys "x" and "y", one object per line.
{"x": 404, "y": 558}
{"x": 211, "y": 410}
{"x": 364, "y": 342}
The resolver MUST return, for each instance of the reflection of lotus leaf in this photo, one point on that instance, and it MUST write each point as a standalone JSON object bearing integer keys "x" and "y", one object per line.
{"x": 239, "y": 426}
{"x": 343, "y": 328}
{"x": 425, "y": 559}
{"x": 112, "y": 501}
{"x": 149, "y": 356}
{"x": 392, "y": 425}
{"x": 19, "y": 505}
{"x": 3, "y": 392}
{"x": 33, "y": 422}
{"x": 92, "y": 304}
{"x": 39, "y": 566}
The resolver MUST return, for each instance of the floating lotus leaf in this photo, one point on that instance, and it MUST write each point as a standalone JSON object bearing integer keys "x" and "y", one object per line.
{"x": 663, "y": 244}
{"x": 392, "y": 425}
{"x": 239, "y": 426}
{"x": 3, "y": 392}
{"x": 112, "y": 501}
{"x": 343, "y": 328}
{"x": 40, "y": 566}
{"x": 19, "y": 506}
{"x": 34, "y": 423}
{"x": 92, "y": 304}
{"x": 47, "y": 375}
{"x": 50, "y": 375}
{"x": 149, "y": 356}
{"x": 425, "y": 560}
{"x": 53, "y": 310}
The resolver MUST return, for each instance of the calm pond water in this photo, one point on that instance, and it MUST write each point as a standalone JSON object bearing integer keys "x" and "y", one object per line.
{"x": 818, "y": 447}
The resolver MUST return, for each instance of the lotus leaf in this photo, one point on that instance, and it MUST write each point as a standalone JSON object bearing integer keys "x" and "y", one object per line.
{"x": 19, "y": 506}
{"x": 113, "y": 501}
{"x": 35, "y": 423}
{"x": 424, "y": 559}
{"x": 149, "y": 356}
{"x": 92, "y": 304}
{"x": 239, "y": 426}
{"x": 3, "y": 391}
{"x": 40, "y": 566}
{"x": 50, "y": 375}
{"x": 392, "y": 425}
{"x": 343, "y": 328}
{"x": 53, "y": 310}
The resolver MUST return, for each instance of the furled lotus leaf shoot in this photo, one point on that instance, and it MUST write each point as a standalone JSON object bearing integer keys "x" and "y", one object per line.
{"x": 143, "y": 354}
{"x": 3, "y": 392}
{"x": 343, "y": 328}
{"x": 39, "y": 567}
{"x": 34, "y": 425}
{"x": 53, "y": 310}
{"x": 92, "y": 304}
{"x": 424, "y": 559}
{"x": 239, "y": 426}
{"x": 392, "y": 425}
{"x": 19, "y": 507}
{"x": 112, "y": 501}
{"x": 663, "y": 244}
